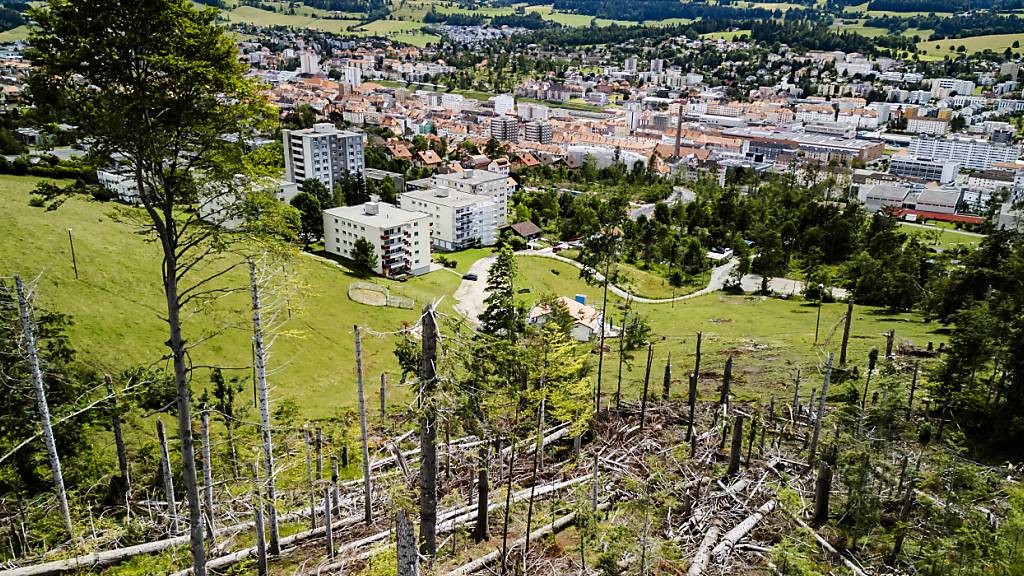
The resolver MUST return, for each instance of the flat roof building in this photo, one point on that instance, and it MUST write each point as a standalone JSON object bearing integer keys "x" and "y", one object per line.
{"x": 459, "y": 219}
{"x": 400, "y": 238}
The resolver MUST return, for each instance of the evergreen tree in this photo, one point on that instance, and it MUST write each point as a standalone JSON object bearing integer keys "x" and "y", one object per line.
{"x": 502, "y": 316}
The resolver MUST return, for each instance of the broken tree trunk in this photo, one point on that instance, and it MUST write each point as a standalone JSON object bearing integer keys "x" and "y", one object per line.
{"x": 822, "y": 491}
{"x": 328, "y": 524}
{"x": 736, "y": 452}
{"x": 307, "y": 440}
{"x": 367, "y": 512}
{"x": 408, "y": 559}
{"x": 167, "y": 476}
{"x": 29, "y": 337}
{"x": 796, "y": 392}
{"x": 207, "y": 476}
{"x": 122, "y": 452}
{"x": 826, "y": 546}
{"x": 319, "y": 454}
{"x": 622, "y": 351}
{"x": 647, "y": 380}
{"x": 261, "y": 537}
{"x": 666, "y": 385}
{"x": 428, "y": 437}
{"x": 495, "y": 556}
{"x": 821, "y": 411}
{"x": 703, "y": 556}
{"x": 901, "y": 534}
{"x": 913, "y": 386}
{"x": 732, "y": 537}
{"x": 846, "y": 332}
{"x": 692, "y": 401}
{"x": 480, "y": 532}
{"x": 383, "y": 395}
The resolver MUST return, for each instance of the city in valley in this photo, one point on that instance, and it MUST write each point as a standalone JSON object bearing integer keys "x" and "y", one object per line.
{"x": 467, "y": 287}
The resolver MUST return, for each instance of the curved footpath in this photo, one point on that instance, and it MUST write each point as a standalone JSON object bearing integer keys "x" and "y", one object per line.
{"x": 470, "y": 295}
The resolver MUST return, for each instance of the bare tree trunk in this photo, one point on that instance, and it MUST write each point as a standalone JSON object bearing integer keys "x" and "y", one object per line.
{"x": 328, "y": 521}
{"x": 261, "y": 538}
{"x": 821, "y": 410}
{"x": 122, "y": 452}
{"x": 846, "y": 332}
{"x": 307, "y": 440}
{"x": 29, "y": 337}
{"x": 822, "y": 491}
{"x": 383, "y": 395}
{"x": 901, "y": 534}
{"x": 264, "y": 404}
{"x": 335, "y": 490}
{"x": 666, "y": 385}
{"x": 480, "y": 532}
{"x": 647, "y": 380}
{"x": 319, "y": 454}
{"x": 207, "y": 477}
{"x": 600, "y": 354}
{"x": 230, "y": 427}
{"x": 736, "y": 452}
{"x": 622, "y": 350}
{"x": 428, "y": 438}
{"x": 913, "y": 386}
{"x": 167, "y": 476}
{"x": 367, "y": 513}
{"x": 408, "y": 559}
{"x": 692, "y": 401}
{"x": 538, "y": 447}
{"x": 796, "y": 393}
{"x": 890, "y": 337}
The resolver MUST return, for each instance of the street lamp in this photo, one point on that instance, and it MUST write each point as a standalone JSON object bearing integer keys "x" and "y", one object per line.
{"x": 74, "y": 261}
{"x": 817, "y": 324}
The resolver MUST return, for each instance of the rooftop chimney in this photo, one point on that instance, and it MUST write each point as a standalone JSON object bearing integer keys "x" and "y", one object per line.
{"x": 440, "y": 192}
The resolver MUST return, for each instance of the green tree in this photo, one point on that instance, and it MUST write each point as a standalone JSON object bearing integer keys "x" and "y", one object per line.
{"x": 160, "y": 83}
{"x": 318, "y": 190}
{"x": 311, "y": 216}
{"x": 364, "y": 257}
{"x": 502, "y": 316}
{"x": 558, "y": 313}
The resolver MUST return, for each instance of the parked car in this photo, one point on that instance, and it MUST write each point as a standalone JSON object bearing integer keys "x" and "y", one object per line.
{"x": 470, "y": 276}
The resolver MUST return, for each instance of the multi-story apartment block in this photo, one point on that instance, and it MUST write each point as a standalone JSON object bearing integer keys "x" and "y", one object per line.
{"x": 460, "y": 219}
{"x": 322, "y": 152}
{"x": 943, "y": 87}
{"x": 505, "y": 128}
{"x": 121, "y": 182}
{"x": 924, "y": 168}
{"x": 538, "y": 131}
{"x": 495, "y": 186}
{"x": 400, "y": 238}
{"x": 970, "y": 153}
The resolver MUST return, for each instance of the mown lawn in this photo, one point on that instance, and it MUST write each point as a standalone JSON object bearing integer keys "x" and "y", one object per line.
{"x": 117, "y": 304}
{"x": 770, "y": 338}
{"x": 994, "y": 42}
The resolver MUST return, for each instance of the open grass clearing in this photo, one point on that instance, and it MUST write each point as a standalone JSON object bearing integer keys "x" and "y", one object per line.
{"x": 14, "y": 34}
{"x": 994, "y": 42}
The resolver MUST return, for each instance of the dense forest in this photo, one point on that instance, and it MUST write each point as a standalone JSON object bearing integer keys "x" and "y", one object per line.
{"x": 662, "y": 9}
{"x": 809, "y": 35}
{"x": 957, "y": 26}
{"x": 11, "y": 14}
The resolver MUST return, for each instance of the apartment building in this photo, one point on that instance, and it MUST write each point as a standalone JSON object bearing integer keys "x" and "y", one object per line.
{"x": 495, "y": 186}
{"x": 924, "y": 168}
{"x": 121, "y": 182}
{"x": 970, "y": 153}
{"x": 538, "y": 131}
{"x": 322, "y": 152}
{"x": 400, "y": 238}
{"x": 459, "y": 219}
{"x": 505, "y": 128}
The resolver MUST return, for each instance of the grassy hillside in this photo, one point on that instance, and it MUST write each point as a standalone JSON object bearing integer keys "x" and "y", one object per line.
{"x": 117, "y": 303}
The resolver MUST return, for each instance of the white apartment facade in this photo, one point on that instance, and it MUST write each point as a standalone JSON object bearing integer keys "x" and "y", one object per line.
{"x": 970, "y": 153}
{"x": 120, "y": 182}
{"x": 459, "y": 219}
{"x": 400, "y": 238}
{"x": 925, "y": 168}
{"x": 482, "y": 183}
{"x": 322, "y": 152}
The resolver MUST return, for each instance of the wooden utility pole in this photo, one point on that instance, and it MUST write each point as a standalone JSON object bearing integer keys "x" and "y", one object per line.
{"x": 647, "y": 380}
{"x": 204, "y": 419}
{"x": 122, "y": 452}
{"x": 846, "y": 332}
{"x": 29, "y": 337}
{"x": 167, "y": 476}
{"x": 821, "y": 410}
{"x": 428, "y": 437}
{"x": 367, "y": 514}
{"x": 264, "y": 405}
{"x": 736, "y": 451}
